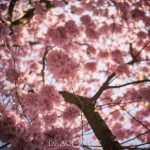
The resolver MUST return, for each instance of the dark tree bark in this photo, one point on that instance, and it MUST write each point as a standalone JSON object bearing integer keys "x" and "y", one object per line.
{"x": 100, "y": 128}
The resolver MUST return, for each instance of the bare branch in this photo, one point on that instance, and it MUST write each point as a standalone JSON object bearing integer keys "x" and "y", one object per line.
{"x": 135, "y": 147}
{"x": 126, "y": 84}
{"x": 11, "y": 8}
{"x": 48, "y": 4}
{"x": 134, "y": 117}
{"x": 138, "y": 135}
{"x": 107, "y": 82}
{"x": 145, "y": 45}
{"x": 131, "y": 51}
{"x": 100, "y": 128}
{"x": 43, "y": 65}
{"x": 134, "y": 57}
{"x": 16, "y": 88}
{"x": 102, "y": 88}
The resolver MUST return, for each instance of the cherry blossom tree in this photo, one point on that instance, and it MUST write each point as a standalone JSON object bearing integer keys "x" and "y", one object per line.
{"x": 74, "y": 74}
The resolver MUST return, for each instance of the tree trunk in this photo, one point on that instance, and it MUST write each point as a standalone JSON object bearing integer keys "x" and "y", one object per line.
{"x": 101, "y": 130}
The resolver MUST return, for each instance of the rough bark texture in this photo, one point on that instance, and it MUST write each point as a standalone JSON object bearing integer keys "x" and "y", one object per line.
{"x": 101, "y": 130}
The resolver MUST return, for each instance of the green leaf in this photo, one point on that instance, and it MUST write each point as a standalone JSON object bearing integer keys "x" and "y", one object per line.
{"x": 25, "y": 19}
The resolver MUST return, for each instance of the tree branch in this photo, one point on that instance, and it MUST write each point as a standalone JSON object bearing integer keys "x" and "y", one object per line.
{"x": 48, "y": 4}
{"x": 131, "y": 51}
{"x": 11, "y": 8}
{"x": 107, "y": 82}
{"x": 43, "y": 65}
{"x": 16, "y": 88}
{"x": 25, "y": 19}
{"x": 101, "y": 130}
{"x": 138, "y": 135}
{"x": 4, "y": 146}
{"x": 102, "y": 88}
{"x": 134, "y": 57}
{"x": 126, "y": 84}
{"x": 134, "y": 118}
{"x": 28, "y": 15}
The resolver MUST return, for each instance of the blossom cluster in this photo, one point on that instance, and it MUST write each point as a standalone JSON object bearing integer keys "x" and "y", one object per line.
{"x": 61, "y": 35}
{"x": 141, "y": 94}
{"x": 123, "y": 69}
{"x": 71, "y": 112}
{"x": 4, "y": 31}
{"x": 12, "y": 126}
{"x": 24, "y": 136}
{"x": 42, "y": 101}
{"x": 41, "y": 131}
{"x": 61, "y": 64}
{"x": 12, "y": 74}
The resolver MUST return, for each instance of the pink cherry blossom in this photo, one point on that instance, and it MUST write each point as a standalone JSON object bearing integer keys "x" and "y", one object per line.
{"x": 103, "y": 54}
{"x": 59, "y": 135}
{"x": 143, "y": 94}
{"x": 48, "y": 95}
{"x": 4, "y": 31}
{"x": 71, "y": 112}
{"x": 61, "y": 65}
{"x": 137, "y": 14}
{"x": 91, "y": 33}
{"x": 123, "y": 69}
{"x": 39, "y": 8}
{"x": 86, "y": 20}
{"x": 91, "y": 66}
{"x": 117, "y": 56}
{"x": 76, "y": 10}
{"x": 58, "y": 36}
{"x": 12, "y": 75}
{"x": 119, "y": 133}
{"x": 71, "y": 27}
{"x": 29, "y": 100}
{"x": 70, "y": 70}
{"x": 90, "y": 50}
{"x": 50, "y": 119}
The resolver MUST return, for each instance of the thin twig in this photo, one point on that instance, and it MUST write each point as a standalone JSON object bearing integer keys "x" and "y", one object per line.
{"x": 102, "y": 88}
{"x": 130, "y": 83}
{"x": 16, "y": 88}
{"x": 4, "y": 146}
{"x": 134, "y": 117}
